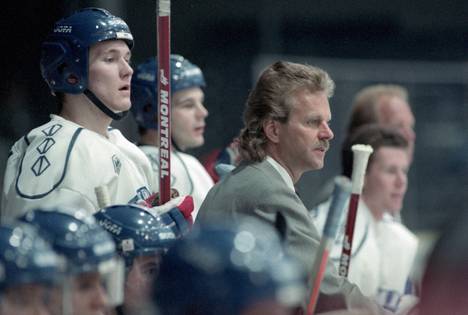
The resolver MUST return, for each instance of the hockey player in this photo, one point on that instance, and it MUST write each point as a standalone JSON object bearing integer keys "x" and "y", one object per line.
{"x": 94, "y": 272}
{"x": 188, "y": 115}
{"x": 383, "y": 249}
{"x": 230, "y": 270}
{"x": 141, "y": 239}
{"x": 86, "y": 64}
{"x": 28, "y": 270}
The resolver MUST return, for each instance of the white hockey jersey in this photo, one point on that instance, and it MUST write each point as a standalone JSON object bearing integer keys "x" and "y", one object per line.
{"x": 188, "y": 176}
{"x": 60, "y": 164}
{"x": 382, "y": 255}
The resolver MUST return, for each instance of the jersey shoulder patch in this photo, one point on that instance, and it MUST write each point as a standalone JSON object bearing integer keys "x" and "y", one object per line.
{"x": 44, "y": 163}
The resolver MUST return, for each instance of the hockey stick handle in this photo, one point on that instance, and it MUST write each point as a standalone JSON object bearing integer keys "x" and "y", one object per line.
{"x": 102, "y": 196}
{"x": 164, "y": 98}
{"x": 361, "y": 154}
{"x": 341, "y": 192}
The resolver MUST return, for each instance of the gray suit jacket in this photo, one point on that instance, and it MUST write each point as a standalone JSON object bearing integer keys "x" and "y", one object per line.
{"x": 258, "y": 190}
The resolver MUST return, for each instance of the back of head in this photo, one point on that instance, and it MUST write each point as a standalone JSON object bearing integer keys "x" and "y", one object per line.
{"x": 85, "y": 245}
{"x": 445, "y": 280}
{"x": 225, "y": 270}
{"x": 137, "y": 232}
{"x": 374, "y": 135}
{"x": 25, "y": 258}
{"x": 184, "y": 75}
{"x": 366, "y": 102}
{"x": 64, "y": 59}
{"x": 272, "y": 98}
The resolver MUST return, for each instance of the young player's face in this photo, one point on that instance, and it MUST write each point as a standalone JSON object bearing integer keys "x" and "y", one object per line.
{"x": 304, "y": 139}
{"x": 386, "y": 181}
{"x": 188, "y": 118}
{"x": 139, "y": 280}
{"x": 31, "y": 299}
{"x": 110, "y": 74}
{"x": 89, "y": 297}
{"x": 396, "y": 113}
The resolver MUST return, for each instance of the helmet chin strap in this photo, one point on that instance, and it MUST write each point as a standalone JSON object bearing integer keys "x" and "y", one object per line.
{"x": 174, "y": 144}
{"x": 96, "y": 101}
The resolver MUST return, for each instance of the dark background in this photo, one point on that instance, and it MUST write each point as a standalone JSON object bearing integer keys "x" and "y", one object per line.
{"x": 422, "y": 45}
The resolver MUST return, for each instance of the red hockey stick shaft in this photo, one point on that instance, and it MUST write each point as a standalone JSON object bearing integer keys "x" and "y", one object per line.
{"x": 361, "y": 155}
{"x": 164, "y": 100}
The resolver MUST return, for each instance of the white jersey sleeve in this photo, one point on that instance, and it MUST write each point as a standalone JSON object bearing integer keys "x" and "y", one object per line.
{"x": 188, "y": 176}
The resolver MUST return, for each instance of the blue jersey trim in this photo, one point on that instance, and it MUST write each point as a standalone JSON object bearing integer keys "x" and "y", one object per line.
{"x": 26, "y": 139}
{"x": 70, "y": 147}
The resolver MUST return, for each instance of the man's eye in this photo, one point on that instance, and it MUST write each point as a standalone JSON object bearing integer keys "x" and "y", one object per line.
{"x": 313, "y": 122}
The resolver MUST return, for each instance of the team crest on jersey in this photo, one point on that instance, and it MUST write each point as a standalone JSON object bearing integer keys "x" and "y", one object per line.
{"x": 117, "y": 164}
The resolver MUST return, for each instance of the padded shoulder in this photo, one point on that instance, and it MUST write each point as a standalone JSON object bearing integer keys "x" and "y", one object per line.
{"x": 44, "y": 163}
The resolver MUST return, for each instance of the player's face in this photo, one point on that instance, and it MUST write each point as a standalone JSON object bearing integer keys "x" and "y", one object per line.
{"x": 31, "y": 299}
{"x": 88, "y": 294}
{"x": 110, "y": 74}
{"x": 386, "y": 181}
{"x": 396, "y": 113}
{"x": 304, "y": 139}
{"x": 188, "y": 118}
{"x": 139, "y": 280}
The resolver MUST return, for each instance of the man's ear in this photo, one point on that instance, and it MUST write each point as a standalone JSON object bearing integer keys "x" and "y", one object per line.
{"x": 271, "y": 128}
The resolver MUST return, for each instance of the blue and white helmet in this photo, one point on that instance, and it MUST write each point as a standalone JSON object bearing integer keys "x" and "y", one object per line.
{"x": 25, "y": 258}
{"x": 65, "y": 52}
{"x": 219, "y": 269}
{"x": 85, "y": 246}
{"x": 74, "y": 235}
{"x": 137, "y": 232}
{"x": 184, "y": 74}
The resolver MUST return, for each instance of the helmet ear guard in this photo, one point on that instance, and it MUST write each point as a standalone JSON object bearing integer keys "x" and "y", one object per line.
{"x": 61, "y": 64}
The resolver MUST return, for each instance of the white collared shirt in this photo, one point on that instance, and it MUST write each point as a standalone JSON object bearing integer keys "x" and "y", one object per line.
{"x": 282, "y": 171}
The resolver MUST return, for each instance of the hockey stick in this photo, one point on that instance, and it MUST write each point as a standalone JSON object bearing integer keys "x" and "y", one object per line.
{"x": 163, "y": 13}
{"x": 361, "y": 155}
{"x": 341, "y": 193}
{"x": 102, "y": 196}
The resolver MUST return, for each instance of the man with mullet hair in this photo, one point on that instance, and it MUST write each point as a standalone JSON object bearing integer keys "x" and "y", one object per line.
{"x": 286, "y": 134}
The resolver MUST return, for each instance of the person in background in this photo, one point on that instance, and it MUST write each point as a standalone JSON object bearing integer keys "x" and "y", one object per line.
{"x": 229, "y": 269}
{"x": 188, "y": 115}
{"x": 29, "y": 270}
{"x": 383, "y": 249}
{"x": 387, "y": 105}
{"x": 141, "y": 240}
{"x": 94, "y": 273}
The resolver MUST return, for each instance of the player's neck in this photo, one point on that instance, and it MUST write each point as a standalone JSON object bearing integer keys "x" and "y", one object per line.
{"x": 376, "y": 212}
{"x": 275, "y": 154}
{"x": 86, "y": 114}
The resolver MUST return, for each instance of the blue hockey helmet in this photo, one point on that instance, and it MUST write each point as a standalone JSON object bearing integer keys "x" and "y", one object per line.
{"x": 74, "y": 235}
{"x": 86, "y": 246}
{"x": 225, "y": 270}
{"x": 25, "y": 258}
{"x": 137, "y": 232}
{"x": 184, "y": 74}
{"x": 64, "y": 59}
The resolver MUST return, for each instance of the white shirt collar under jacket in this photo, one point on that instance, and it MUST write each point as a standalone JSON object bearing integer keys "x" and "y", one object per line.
{"x": 282, "y": 171}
